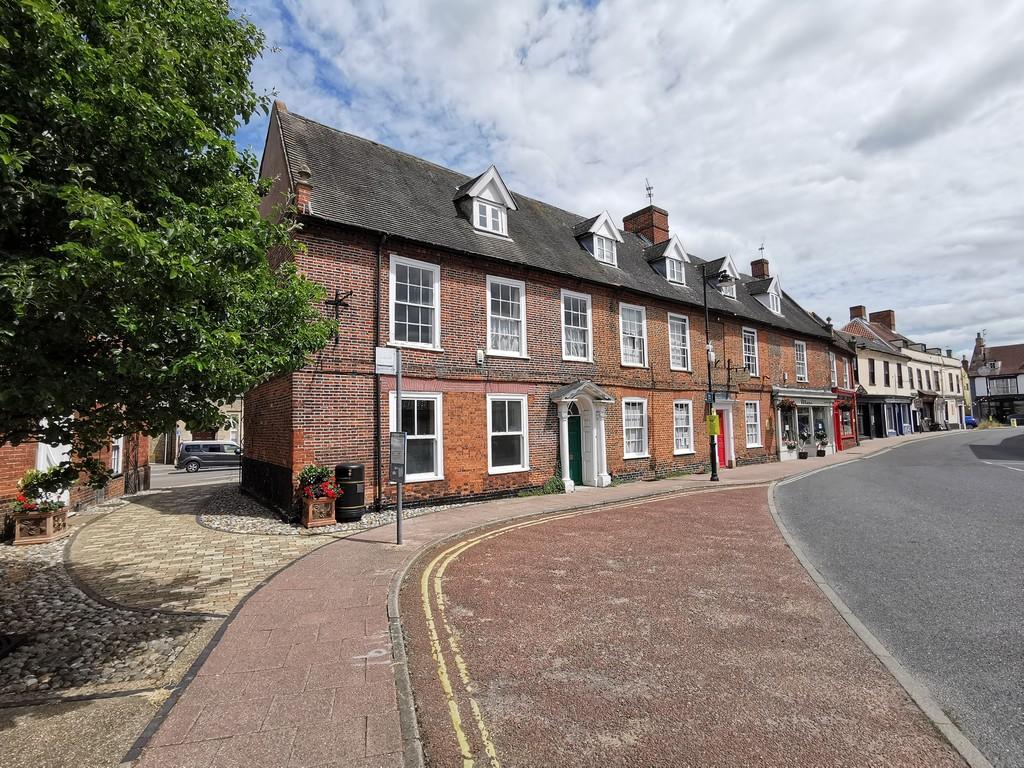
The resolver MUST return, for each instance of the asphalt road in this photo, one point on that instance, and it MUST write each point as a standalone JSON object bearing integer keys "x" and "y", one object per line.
{"x": 166, "y": 476}
{"x": 926, "y": 544}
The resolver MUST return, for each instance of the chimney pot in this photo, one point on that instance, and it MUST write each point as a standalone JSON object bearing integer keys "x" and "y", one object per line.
{"x": 949, "y": 353}
{"x": 859, "y": 312}
{"x": 886, "y": 317}
{"x": 759, "y": 269}
{"x": 650, "y": 222}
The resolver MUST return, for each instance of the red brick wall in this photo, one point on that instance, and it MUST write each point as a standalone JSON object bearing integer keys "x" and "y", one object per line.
{"x": 327, "y": 413}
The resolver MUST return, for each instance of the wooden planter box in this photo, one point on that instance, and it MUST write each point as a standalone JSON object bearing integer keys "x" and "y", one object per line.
{"x": 40, "y": 527}
{"x": 317, "y": 512}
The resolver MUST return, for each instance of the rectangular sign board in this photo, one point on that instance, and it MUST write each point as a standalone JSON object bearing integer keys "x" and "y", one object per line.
{"x": 713, "y": 425}
{"x": 396, "y": 468}
{"x": 386, "y": 360}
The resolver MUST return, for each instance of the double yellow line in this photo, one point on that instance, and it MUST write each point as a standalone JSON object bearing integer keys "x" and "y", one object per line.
{"x": 432, "y": 596}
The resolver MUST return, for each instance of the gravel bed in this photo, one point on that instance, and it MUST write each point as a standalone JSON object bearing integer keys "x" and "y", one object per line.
{"x": 227, "y": 509}
{"x": 64, "y": 639}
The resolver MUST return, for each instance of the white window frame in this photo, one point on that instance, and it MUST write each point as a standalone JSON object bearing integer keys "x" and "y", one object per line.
{"x": 687, "y": 362}
{"x": 757, "y": 422}
{"x": 495, "y": 214}
{"x": 756, "y": 370}
{"x": 728, "y": 289}
{"x": 521, "y": 287}
{"x": 775, "y": 302}
{"x": 590, "y": 326}
{"x": 438, "y": 473}
{"x": 604, "y": 250}
{"x": 643, "y": 337}
{"x": 435, "y": 269}
{"x": 117, "y": 455}
{"x": 800, "y": 358}
{"x": 647, "y": 451}
{"x": 524, "y": 464}
{"x": 676, "y": 450}
{"x": 833, "y": 368}
{"x": 677, "y": 266}
{"x": 846, "y": 373}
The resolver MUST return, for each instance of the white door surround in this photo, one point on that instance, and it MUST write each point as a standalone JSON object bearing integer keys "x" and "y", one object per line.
{"x": 592, "y": 403}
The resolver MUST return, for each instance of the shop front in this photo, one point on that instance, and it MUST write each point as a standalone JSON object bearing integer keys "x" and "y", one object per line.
{"x": 805, "y": 424}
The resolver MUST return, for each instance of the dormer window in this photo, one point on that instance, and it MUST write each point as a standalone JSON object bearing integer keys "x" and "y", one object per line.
{"x": 674, "y": 271}
{"x": 490, "y": 217}
{"x": 485, "y": 201}
{"x": 599, "y": 236}
{"x": 604, "y": 249}
{"x": 728, "y": 290}
{"x": 668, "y": 259}
{"x": 775, "y": 303}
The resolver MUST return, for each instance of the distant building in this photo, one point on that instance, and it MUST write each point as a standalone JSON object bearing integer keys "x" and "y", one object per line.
{"x": 908, "y": 385}
{"x": 997, "y": 380}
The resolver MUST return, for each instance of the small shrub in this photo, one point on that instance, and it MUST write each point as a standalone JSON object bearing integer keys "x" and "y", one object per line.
{"x": 313, "y": 474}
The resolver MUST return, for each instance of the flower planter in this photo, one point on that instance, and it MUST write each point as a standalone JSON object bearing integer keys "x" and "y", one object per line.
{"x": 317, "y": 512}
{"x": 802, "y": 455}
{"x": 821, "y": 452}
{"x": 40, "y": 527}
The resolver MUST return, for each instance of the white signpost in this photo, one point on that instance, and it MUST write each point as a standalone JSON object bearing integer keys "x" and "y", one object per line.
{"x": 388, "y": 361}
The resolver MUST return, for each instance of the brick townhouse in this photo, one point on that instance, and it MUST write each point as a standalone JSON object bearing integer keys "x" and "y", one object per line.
{"x": 536, "y": 342}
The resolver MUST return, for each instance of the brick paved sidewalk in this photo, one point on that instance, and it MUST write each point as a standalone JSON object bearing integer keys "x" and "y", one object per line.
{"x": 152, "y": 554}
{"x": 302, "y": 676}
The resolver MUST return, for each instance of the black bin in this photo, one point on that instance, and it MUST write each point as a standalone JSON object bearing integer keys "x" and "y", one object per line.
{"x": 351, "y": 501}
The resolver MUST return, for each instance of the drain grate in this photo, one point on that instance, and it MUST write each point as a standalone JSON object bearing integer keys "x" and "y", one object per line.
{"x": 8, "y": 643}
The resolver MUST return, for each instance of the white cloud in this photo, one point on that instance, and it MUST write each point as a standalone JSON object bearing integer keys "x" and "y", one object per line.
{"x": 875, "y": 147}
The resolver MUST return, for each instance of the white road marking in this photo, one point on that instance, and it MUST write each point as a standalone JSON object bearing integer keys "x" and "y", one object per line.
{"x": 1005, "y": 466}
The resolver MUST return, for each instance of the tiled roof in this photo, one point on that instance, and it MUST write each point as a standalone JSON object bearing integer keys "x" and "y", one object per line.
{"x": 1011, "y": 357}
{"x": 360, "y": 183}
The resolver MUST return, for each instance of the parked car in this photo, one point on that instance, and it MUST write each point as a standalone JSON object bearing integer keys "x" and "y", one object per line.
{"x": 970, "y": 422}
{"x": 208, "y": 454}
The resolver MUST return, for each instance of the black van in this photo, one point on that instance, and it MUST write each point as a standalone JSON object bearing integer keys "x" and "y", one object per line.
{"x": 208, "y": 454}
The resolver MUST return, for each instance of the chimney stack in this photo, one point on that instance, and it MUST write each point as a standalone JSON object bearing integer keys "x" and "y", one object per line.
{"x": 859, "y": 312}
{"x": 304, "y": 189}
{"x": 759, "y": 268}
{"x": 886, "y": 317}
{"x": 949, "y": 353}
{"x": 650, "y": 222}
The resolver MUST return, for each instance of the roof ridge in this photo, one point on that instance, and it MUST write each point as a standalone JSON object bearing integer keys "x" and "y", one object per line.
{"x": 445, "y": 168}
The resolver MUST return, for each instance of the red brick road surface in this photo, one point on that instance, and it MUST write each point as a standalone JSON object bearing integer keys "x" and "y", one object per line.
{"x": 674, "y": 632}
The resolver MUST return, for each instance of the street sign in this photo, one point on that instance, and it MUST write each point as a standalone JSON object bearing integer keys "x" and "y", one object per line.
{"x": 386, "y": 360}
{"x": 396, "y": 468}
{"x": 709, "y": 397}
{"x": 714, "y": 428}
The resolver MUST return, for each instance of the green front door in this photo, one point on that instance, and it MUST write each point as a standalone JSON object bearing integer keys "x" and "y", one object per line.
{"x": 575, "y": 450}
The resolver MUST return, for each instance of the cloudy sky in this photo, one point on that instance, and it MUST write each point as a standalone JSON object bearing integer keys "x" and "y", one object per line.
{"x": 876, "y": 148}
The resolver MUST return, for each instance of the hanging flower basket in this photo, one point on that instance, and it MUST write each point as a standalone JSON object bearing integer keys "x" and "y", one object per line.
{"x": 787, "y": 404}
{"x": 845, "y": 405}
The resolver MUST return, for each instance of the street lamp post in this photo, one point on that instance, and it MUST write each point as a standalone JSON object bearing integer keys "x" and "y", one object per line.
{"x": 721, "y": 277}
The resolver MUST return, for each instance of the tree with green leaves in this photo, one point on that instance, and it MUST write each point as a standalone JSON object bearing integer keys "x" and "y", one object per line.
{"x": 135, "y": 288}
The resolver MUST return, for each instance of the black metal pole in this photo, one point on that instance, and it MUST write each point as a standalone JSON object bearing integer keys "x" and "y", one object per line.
{"x": 712, "y": 443}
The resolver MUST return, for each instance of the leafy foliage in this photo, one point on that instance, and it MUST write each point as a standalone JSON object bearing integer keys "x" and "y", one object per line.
{"x": 313, "y": 474}
{"x": 134, "y": 284}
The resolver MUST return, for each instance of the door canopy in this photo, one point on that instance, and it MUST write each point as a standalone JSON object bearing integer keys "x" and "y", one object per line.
{"x": 570, "y": 392}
